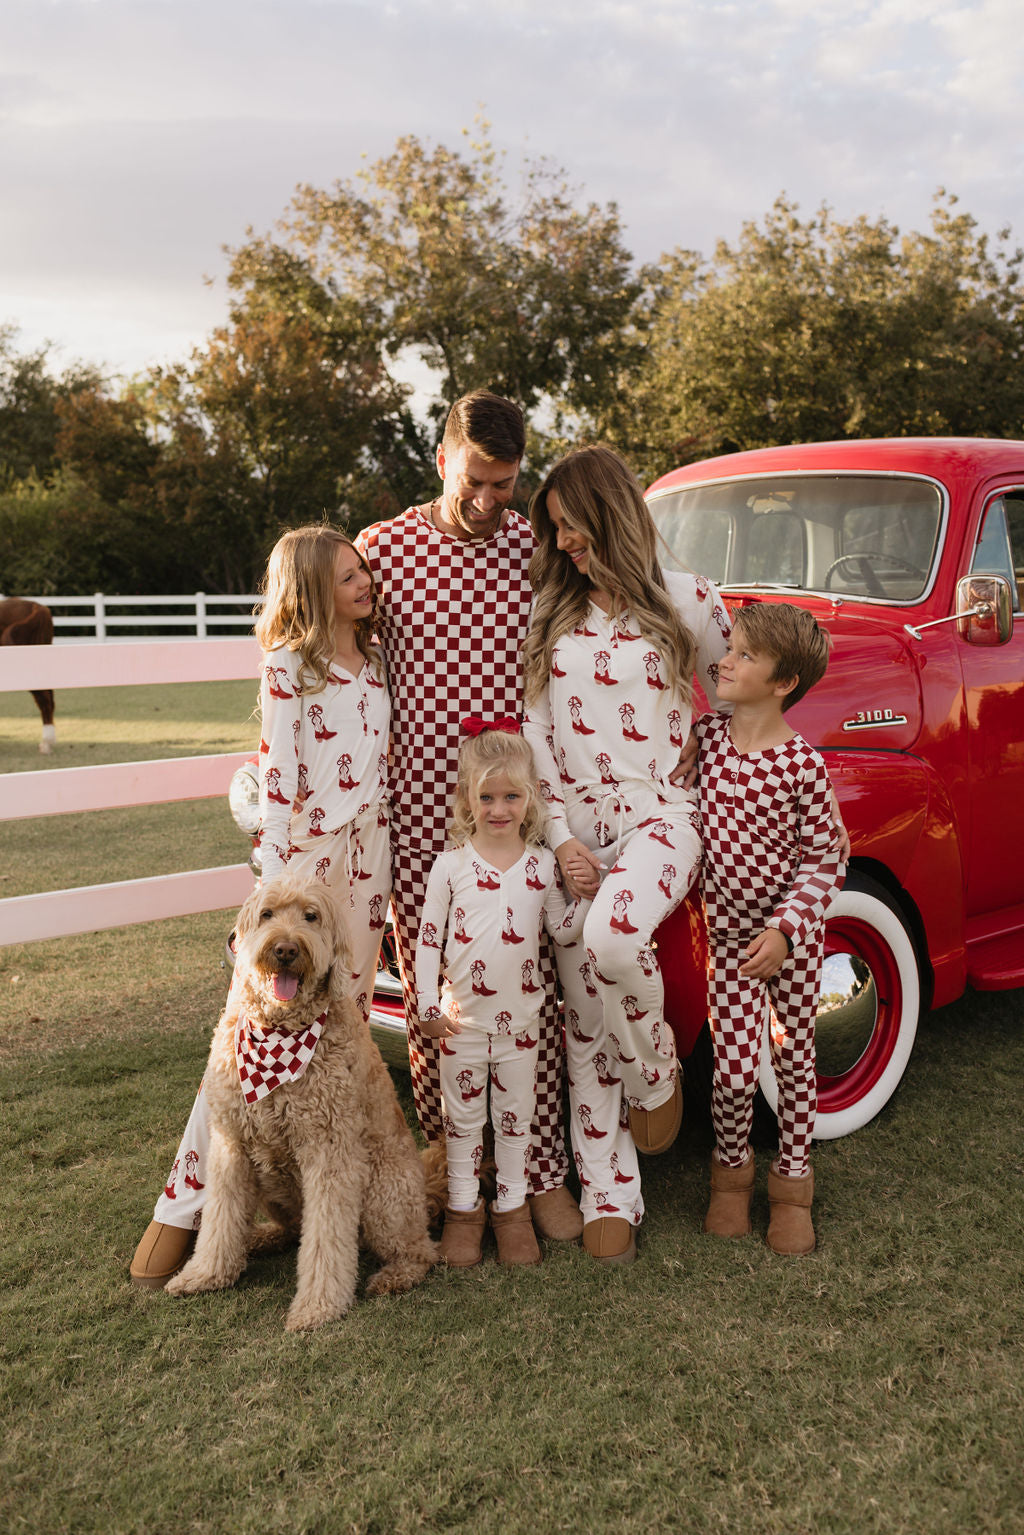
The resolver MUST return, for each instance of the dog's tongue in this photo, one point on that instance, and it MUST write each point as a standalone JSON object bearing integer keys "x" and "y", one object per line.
{"x": 285, "y": 987}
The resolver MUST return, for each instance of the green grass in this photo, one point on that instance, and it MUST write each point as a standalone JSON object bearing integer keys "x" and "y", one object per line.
{"x": 873, "y": 1387}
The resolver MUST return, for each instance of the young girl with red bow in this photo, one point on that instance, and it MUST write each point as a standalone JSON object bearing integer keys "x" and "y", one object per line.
{"x": 488, "y": 898}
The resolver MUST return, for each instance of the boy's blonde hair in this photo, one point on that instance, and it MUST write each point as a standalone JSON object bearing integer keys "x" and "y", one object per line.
{"x": 482, "y": 757}
{"x": 298, "y": 606}
{"x": 791, "y": 636}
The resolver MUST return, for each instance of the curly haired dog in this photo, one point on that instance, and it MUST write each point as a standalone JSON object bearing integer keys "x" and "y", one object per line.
{"x": 306, "y": 1127}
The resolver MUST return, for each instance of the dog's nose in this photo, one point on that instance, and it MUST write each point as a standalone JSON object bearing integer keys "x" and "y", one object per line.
{"x": 285, "y": 952}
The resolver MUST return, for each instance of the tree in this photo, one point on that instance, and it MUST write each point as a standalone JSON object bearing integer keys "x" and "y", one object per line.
{"x": 529, "y": 295}
{"x": 30, "y": 397}
{"x": 814, "y": 330}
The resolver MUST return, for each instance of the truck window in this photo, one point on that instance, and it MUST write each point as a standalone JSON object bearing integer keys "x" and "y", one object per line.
{"x": 992, "y": 551}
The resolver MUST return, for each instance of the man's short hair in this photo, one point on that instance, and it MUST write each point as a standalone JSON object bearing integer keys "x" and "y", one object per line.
{"x": 790, "y": 635}
{"x": 492, "y": 426}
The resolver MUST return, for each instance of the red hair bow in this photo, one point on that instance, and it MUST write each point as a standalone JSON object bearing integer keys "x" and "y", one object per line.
{"x": 475, "y": 726}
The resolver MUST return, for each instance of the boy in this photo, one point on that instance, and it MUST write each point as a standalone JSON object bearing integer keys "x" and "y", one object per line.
{"x": 771, "y": 870}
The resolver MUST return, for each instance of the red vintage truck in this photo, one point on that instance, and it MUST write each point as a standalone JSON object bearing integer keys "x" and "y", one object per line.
{"x": 911, "y": 553}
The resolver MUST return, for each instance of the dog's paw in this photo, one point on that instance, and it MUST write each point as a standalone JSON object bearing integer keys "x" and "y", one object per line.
{"x": 302, "y": 1317}
{"x": 403, "y": 1273}
{"x": 196, "y": 1281}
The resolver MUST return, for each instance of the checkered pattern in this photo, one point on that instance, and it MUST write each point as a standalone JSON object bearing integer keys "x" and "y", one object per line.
{"x": 739, "y": 1008}
{"x": 471, "y": 1063}
{"x": 454, "y": 615}
{"x": 770, "y": 855}
{"x": 268, "y": 1057}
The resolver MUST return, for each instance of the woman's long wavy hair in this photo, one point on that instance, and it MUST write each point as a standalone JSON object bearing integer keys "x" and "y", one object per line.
{"x": 601, "y": 499}
{"x": 298, "y": 605}
{"x": 486, "y": 756}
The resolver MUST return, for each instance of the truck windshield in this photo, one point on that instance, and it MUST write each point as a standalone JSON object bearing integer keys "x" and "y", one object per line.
{"x": 855, "y": 535}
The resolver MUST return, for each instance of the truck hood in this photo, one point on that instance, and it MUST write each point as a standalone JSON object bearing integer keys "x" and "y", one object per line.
{"x": 870, "y": 697}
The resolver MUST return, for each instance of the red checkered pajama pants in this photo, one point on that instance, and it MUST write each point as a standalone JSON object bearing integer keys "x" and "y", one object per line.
{"x": 413, "y": 861}
{"x": 740, "y": 1010}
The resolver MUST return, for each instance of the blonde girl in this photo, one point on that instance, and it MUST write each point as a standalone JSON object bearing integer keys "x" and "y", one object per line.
{"x": 478, "y": 985}
{"x": 609, "y": 666}
{"x": 326, "y": 716}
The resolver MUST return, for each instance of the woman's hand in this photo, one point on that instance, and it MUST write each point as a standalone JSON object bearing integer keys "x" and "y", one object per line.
{"x": 685, "y": 770}
{"x": 581, "y": 869}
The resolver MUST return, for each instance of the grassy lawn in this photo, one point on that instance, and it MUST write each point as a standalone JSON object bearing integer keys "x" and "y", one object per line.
{"x": 874, "y": 1387}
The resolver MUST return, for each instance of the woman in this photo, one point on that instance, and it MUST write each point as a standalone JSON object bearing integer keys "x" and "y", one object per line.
{"x": 608, "y": 672}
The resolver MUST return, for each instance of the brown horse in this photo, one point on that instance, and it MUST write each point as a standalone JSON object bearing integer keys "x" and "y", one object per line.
{"x": 29, "y": 623}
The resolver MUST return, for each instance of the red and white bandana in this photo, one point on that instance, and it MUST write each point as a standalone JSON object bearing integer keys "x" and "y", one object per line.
{"x": 268, "y": 1057}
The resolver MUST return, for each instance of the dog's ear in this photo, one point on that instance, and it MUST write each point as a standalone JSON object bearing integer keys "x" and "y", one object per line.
{"x": 249, "y": 916}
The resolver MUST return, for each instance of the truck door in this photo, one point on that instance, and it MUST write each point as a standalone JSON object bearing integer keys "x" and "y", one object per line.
{"x": 994, "y": 687}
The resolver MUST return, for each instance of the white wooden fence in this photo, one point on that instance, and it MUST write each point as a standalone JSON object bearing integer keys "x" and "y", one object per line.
{"x": 62, "y": 790}
{"x": 101, "y": 613}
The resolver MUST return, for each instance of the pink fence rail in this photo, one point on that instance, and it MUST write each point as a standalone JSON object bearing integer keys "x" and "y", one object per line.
{"x": 59, "y": 791}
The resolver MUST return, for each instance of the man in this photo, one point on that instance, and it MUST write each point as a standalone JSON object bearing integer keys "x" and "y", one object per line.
{"x": 455, "y": 597}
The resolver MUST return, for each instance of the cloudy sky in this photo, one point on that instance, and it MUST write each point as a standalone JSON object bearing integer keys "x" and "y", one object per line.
{"x": 137, "y": 137}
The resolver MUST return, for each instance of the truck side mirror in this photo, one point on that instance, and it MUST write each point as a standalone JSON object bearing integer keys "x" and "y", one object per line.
{"x": 984, "y": 609}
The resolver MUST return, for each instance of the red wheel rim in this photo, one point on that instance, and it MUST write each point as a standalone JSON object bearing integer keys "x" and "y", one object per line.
{"x": 849, "y": 935}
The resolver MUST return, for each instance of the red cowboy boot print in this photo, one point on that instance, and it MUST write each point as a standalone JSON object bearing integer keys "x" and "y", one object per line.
{"x": 508, "y": 932}
{"x": 486, "y": 879}
{"x": 466, "y": 1088}
{"x": 323, "y": 868}
{"x": 525, "y": 1041}
{"x": 584, "y": 1182}
{"x": 275, "y": 688}
{"x": 602, "y": 661}
{"x": 648, "y": 961}
{"x": 604, "y": 1076}
{"x": 620, "y": 922}
{"x": 376, "y": 916}
{"x": 428, "y": 936}
{"x": 668, "y": 874}
{"x": 556, "y": 670}
{"x": 563, "y": 771}
{"x": 191, "y": 1169}
{"x": 478, "y": 971}
{"x": 316, "y": 815}
{"x": 658, "y": 832}
{"x": 169, "y": 1190}
{"x": 448, "y": 1126}
{"x": 460, "y": 935}
{"x": 631, "y": 1010}
{"x": 509, "y": 1122}
{"x": 627, "y": 714}
{"x": 649, "y": 1076}
{"x": 602, "y": 1206}
{"x": 675, "y": 725}
{"x": 302, "y": 789}
{"x": 272, "y": 786}
{"x": 504, "y": 1022}
{"x": 585, "y": 977}
{"x": 527, "y": 973}
{"x": 575, "y": 1030}
{"x": 652, "y": 661}
{"x": 532, "y": 882}
{"x": 315, "y": 715}
{"x": 576, "y": 711}
{"x": 626, "y": 1060}
{"x": 345, "y": 779}
{"x": 620, "y": 1176}
{"x": 586, "y": 1120}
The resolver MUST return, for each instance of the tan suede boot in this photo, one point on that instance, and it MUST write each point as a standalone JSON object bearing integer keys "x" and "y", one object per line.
{"x": 731, "y": 1191}
{"x": 790, "y": 1230}
{"x": 161, "y": 1253}
{"x": 513, "y": 1232}
{"x": 654, "y": 1130}
{"x": 463, "y": 1236}
{"x": 556, "y": 1215}
{"x": 610, "y": 1239}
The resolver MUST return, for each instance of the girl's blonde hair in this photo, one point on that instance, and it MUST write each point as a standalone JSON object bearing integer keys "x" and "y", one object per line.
{"x": 298, "y": 606}
{"x": 482, "y": 757}
{"x": 600, "y": 499}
